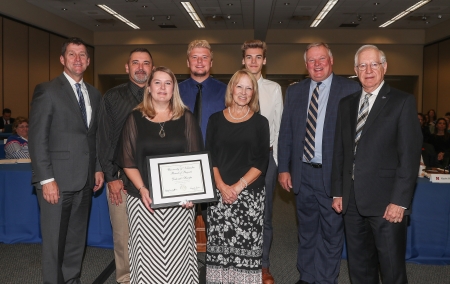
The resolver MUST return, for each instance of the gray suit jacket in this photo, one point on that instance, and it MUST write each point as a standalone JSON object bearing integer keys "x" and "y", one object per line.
{"x": 388, "y": 155}
{"x": 60, "y": 145}
{"x": 293, "y": 128}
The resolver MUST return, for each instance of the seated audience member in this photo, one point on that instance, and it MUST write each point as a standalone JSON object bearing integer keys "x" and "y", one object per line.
{"x": 6, "y": 119}
{"x": 425, "y": 129}
{"x": 441, "y": 142}
{"x": 432, "y": 116}
{"x": 429, "y": 157}
{"x": 447, "y": 117}
{"x": 16, "y": 146}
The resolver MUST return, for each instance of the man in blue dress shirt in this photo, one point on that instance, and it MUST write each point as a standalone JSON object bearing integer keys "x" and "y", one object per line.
{"x": 209, "y": 91}
{"x": 212, "y": 97}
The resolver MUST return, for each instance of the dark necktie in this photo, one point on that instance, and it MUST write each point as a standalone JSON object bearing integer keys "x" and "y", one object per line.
{"x": 82, "y": 104}
{"x": 198, "y": 105}
{"x": 362, "y": 117}
{"x": 140, "y": 95}
{"x": 310, "y": 137}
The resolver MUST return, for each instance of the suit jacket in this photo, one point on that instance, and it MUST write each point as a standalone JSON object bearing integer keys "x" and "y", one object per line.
{"x": 60, "y": 145}
{"x": 2, "y": 123}
{"x": 388, "y": 155}
{"x": 293, "y": 128}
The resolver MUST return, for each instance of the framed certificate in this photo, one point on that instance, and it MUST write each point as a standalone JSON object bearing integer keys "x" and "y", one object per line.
{"x": 181, "y": 177}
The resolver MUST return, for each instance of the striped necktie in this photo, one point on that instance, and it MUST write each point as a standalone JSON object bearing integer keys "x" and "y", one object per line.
{"x": 308, "y": 152}
{"x": 82, "y": 104}
{"x": 362, "y": 117}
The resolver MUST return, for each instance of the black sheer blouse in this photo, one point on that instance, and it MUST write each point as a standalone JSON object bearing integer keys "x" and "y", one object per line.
{"x": 140, "y": 138}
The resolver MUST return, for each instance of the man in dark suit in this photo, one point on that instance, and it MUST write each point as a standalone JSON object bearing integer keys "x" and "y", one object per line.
{"x": 375, "y": 165}
{"x": 6, "y": 119}
{"x": 63, "y": 124}
{"x": 305, "y": 152}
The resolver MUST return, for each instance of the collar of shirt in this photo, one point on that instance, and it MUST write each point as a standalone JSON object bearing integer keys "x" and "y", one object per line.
{"x": 372, "y": 98}
{"x": 136, "y": 90}
{"x": 85, "y": 93}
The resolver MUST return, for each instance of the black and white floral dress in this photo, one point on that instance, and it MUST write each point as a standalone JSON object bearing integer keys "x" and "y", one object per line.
{"x": 234, "y": 247}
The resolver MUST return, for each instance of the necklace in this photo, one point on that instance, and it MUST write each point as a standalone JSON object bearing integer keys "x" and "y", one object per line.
{"x": 162, "y": 133}
{"x": 238, "y": 118}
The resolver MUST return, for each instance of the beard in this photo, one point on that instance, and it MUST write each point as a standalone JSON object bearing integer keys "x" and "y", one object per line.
{"x": 140, "y": 77}
{"x": 199, "y": 73}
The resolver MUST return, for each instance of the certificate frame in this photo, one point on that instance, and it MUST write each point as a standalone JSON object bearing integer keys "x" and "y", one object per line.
{"x": 180, "y": 177}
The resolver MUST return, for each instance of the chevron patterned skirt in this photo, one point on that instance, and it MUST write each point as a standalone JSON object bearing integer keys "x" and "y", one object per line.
{"x": 161, "y": 245}
{"x": 234, "y": 247}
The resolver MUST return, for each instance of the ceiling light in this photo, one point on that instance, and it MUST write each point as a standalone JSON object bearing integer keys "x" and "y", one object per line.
{"x": 153, "y": 18}
{"x": 234, "y": 23}
{"x": 374, "y": 18}
{"x": 144, "y": 6}
{"x": 280, "y": 22}
{"x": 287, "y": 4}
{"x": 359, "y": 18}
{"x": 214, "y": 16}
{"x": 117, "y": 15}
{"x": 168, "y": 18}
{"x": 406, "y": 12}
{"x": 376, "y": 3}
{"x": 230, "y": 4}
{"x": 191, "y": 11}
{"x": 229, "y": 17}
{"x": 97, "y": 25}
{"x": 330, "y": 4}
{"x": 439, "y": 16}
{"x": 64, "y": 9}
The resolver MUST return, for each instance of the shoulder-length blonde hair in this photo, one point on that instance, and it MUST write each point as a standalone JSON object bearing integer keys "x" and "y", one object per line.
{"x": 176, "y": 105}
{"x": 254, "y": 101}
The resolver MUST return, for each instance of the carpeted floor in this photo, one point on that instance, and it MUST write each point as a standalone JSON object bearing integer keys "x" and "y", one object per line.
{"x": 21, "y": 263}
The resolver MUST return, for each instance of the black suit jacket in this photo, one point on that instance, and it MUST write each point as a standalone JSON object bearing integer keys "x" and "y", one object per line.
{"x": 60, "y": 145}
{"x": 2, "y": 123}
{"x": 388, "y": 155}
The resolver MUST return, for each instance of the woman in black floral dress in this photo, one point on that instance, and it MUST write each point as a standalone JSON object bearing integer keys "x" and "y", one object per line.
{"x": 238, "y": 139}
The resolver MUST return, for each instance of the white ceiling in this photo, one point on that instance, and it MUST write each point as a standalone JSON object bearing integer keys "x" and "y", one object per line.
{"x": 259, "y": 15}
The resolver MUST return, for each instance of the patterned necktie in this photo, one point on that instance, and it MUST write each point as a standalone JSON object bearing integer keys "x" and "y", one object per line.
{"x": 198, "y": 105}
{"x": 81, "y": 104}
{"x": 362, "y": 117}
{"x": 310, "y": 140}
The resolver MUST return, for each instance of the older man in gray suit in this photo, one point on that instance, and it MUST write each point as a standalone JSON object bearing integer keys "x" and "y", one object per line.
{"x": 63, "y": 124}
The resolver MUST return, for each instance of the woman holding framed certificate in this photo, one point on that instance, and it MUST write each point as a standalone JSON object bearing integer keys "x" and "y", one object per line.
{"x": 162, "y": 241}
{"x": 238, "y": 140}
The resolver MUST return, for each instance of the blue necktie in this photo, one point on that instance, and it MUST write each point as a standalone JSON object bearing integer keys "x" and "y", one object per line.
{"x": 310, "y": 137}
{"x": 82, "y": 104}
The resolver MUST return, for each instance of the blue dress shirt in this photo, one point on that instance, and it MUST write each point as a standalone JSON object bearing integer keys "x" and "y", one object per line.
{"x": 324, "y": 92}
{"x": 213, "y": 97}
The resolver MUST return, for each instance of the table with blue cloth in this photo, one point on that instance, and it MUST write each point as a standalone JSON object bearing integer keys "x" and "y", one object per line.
{"x": 19, "y": 210}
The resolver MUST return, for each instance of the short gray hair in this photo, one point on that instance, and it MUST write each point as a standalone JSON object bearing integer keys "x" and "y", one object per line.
{"x": 317, "y": 44}
{"x": 370, "y": 46}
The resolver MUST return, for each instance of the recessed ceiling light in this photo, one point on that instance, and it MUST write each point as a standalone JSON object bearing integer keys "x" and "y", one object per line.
{"x": 327, "y": 8}
{"x": 193, "y": 14}
{"x": 376, "y": 3}
{"x": 229, "y": 17}
{"x": 144, "y": 6}
{"x": 230, "y": 4}
{"x": 234, "y": 22}
{"x": 280, "y": 22}
{"x": 97, "y": 25}
{"x": 153, "y": 18}
{"x": 406, "y": 12}
{"x": 287, "y": 4}
{"x": 64, "y": 9}
{"x": 168, "y": 18}
{"x": 117, "y": 15}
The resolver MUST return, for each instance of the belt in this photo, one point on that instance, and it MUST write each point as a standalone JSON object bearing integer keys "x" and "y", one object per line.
{"x": 271, "y": 148}
{"x": 314, "y": 165}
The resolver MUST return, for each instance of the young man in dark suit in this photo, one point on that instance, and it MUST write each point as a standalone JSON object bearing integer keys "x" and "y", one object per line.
{"x": 375, "y": 165}
{"x": 6, "y": 119}
{"x": 305, "y": 153}
{"x": 63, "y": 127}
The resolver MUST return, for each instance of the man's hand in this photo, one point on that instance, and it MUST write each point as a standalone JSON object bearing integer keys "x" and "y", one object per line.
{"x": 50, "y": 191}
{"x": 114, "y": 188}
{"x": 285, "y": 181}
{"x": 99, "y": 179}
{"x": 337, "y": 204}
{"x": 394, "y": 213}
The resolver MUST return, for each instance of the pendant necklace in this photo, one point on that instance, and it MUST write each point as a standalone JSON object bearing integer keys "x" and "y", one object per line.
{"x": 162, "y": 133}
{"x": 238, "y": 118}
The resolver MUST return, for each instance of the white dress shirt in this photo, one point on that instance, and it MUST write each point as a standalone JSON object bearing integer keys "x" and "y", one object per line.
{"x": 271, "y": 107}
{"x": 85, "y": 96}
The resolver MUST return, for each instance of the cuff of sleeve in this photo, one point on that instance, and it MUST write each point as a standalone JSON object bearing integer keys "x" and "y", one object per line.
{"x": 47, "y": 181}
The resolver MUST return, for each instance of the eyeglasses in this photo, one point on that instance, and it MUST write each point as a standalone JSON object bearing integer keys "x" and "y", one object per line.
{"x": 373, "y": 66}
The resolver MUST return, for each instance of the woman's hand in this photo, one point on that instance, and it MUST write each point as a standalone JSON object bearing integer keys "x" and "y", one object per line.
{"x": 238, "y": 187}
{"x": 228, "y": 193}
{"x": 145, "y": 194}
{"x": 188, "y": 205}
